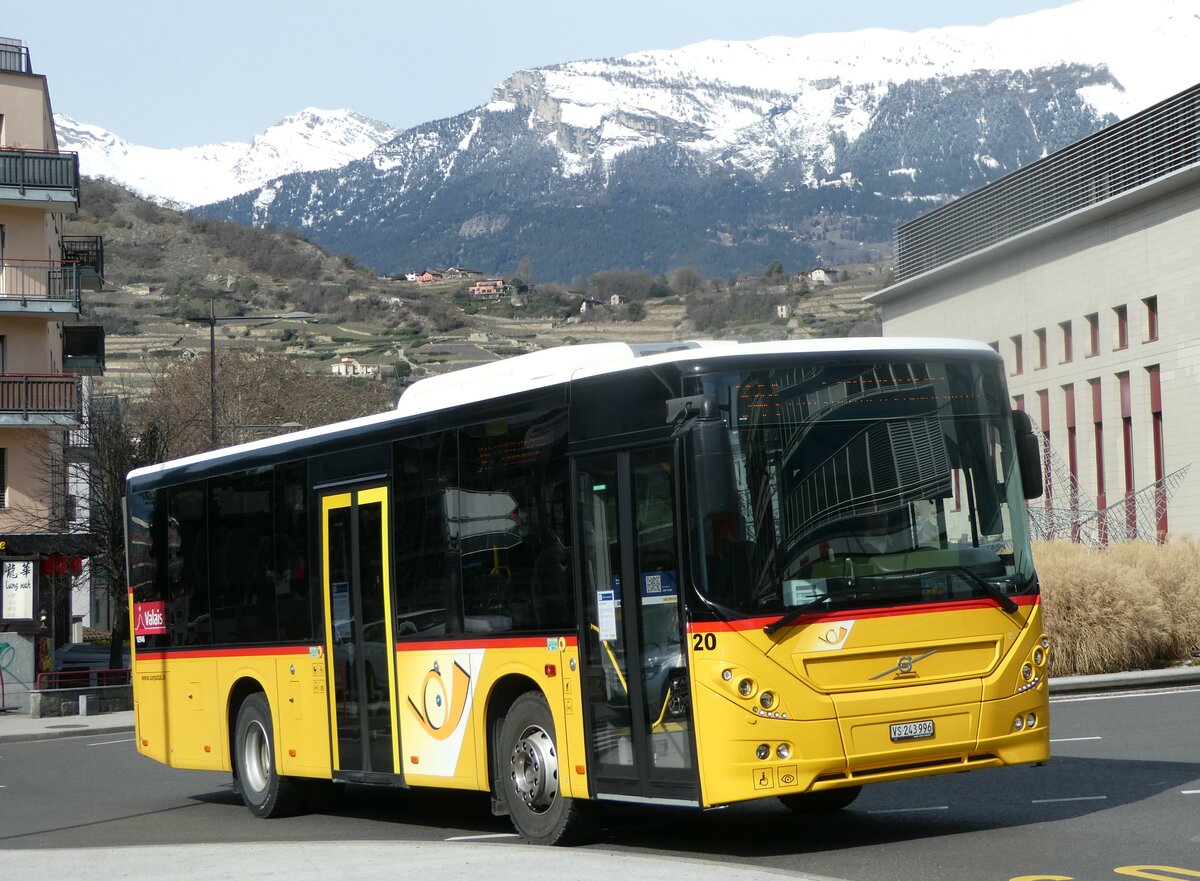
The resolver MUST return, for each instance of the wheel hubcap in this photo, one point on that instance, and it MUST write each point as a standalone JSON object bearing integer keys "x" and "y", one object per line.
{"x": 256, "y": 758}
{"x": 534, "y": 769}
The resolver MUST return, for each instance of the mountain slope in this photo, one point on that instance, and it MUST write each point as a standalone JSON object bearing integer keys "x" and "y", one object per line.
{"x": 729, "y": 155}
{"x": 310, "y": 140}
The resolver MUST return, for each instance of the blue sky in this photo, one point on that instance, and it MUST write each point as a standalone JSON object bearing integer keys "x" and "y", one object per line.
{"x": 172, "y": 74}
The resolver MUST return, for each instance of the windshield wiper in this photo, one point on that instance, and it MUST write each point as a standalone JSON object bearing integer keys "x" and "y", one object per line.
{"x": 1005, "y": 601}
{"x": 793, "y": 614}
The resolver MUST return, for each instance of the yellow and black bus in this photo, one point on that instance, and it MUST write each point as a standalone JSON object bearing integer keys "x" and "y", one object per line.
{"x": 681, "y": 574}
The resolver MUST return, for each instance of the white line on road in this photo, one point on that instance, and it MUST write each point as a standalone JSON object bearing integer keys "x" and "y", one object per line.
{"x": 1190, "y": 791}
{"x": 909, "y": 810}
{"x": 1072, "y": 739}
{"x": 1050, "y": 801}
{"x": 107, "y": 742}
{"x": 483, "y": 837}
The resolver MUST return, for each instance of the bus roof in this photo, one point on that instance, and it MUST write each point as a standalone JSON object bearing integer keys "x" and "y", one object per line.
{"x": 562, "y": 364}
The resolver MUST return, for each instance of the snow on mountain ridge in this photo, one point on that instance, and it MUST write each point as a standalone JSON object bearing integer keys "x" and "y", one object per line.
{"x": 309, "y": 140}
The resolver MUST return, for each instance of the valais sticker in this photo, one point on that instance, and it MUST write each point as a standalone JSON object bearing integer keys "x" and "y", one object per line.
{"x": 149, "y": 619}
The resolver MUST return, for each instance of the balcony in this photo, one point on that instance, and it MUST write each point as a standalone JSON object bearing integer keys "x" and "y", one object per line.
{"x": 39, "y": 287}
{"x": 40, "y": 400}
{"x": 14, "y": 56}
{"x": 88, "y": 252}
{"x": 39, "y": 179}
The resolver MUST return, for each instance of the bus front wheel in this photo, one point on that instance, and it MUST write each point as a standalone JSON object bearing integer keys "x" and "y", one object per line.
{"x": 265, "y": 792}
{"x": 529, "y": 776}
{"x": 826, "y": 801}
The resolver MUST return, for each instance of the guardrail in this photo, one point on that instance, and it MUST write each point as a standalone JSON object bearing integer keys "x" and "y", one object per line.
{"x": 55, "y": 679}
{"x": 40, "y": 280}
{"x": 39, "y": 170}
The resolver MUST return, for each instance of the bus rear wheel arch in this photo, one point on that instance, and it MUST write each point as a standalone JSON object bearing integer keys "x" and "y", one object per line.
{"x": 528, "y": 774}
{"x": 256, "y": 776}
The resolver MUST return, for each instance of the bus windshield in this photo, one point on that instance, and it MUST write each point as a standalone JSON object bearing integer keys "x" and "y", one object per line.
{"x": 862, "y": 485}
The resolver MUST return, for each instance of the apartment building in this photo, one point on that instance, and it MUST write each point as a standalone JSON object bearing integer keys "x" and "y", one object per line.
{"x": 1083, "y": 271}
{"x": 46, "y": 361}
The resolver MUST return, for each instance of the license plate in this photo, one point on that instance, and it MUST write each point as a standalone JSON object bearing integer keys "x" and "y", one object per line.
{"x": 912, "y": 730}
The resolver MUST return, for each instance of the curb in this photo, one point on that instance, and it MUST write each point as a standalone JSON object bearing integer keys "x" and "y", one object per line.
{"x": 1171, "y": 676}
{"x": 31, "y": 734}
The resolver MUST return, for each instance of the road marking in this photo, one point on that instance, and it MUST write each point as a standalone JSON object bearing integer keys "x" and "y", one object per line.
{"x": 1190, "y": 792}
{"x": 483, "y": 837}
{"x": 107, "y": 742}
{"x": 909, "y": 810}
{"x": 1072, "y": 739}
{"x": 1050, "y": 801}
{"x": 1120, "y": 695}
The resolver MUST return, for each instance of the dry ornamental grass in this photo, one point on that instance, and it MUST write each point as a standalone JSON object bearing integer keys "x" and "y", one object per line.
{"x": 1127, "y": 607}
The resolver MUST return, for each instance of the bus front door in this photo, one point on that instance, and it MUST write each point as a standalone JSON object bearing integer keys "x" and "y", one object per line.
{"x": 639, "y": 717}
{"x": 358, "y": 628}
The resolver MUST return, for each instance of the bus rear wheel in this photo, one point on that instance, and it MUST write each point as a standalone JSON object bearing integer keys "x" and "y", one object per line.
{"x": 265, "y": 792}
{"x": 529, "y": 773}
{"x": 826, "y": 801}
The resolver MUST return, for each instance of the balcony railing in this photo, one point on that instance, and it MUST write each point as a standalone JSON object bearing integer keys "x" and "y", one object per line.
{"x": 88, "y": 252}
{"x": 14, "y": 56}
{"x": 44, "y": 176}
{"x": 33, "y": 395}
{"x": 55, "y": 281}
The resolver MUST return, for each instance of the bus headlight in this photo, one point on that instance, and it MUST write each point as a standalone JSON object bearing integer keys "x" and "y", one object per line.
{"x": 1039, "y": 656}
{"x": 1031, "y": 720}
{"x": 783, "y": 751}
{"x": 1027, "y": 672}
{"x": 1018, "y": 723}
{"x": 763, "y": 752}
{"x": 767, "y": 699}
{"x": 746, "y": 687}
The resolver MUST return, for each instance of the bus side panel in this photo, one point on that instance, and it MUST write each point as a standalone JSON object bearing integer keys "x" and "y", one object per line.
{"x": 193, "y": 717}
{"x": 435, "y": 695}
{"x": 302, "y": 718}
{"x": 150, "y": 708}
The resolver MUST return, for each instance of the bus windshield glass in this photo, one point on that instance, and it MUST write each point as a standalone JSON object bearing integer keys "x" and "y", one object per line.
{"x": 853, "y": 485}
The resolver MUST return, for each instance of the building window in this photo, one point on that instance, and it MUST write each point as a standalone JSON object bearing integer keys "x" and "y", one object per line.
{"x": 1098, "y": 433}
{"x": 1072, "y": 456}
{"x": 1067, "y": 343}
{"x": 1122, "y": 314}
{"x": 1040, "y": 336}
{"x": 1151, "y": 304}
{"x": 3, "y": 481}
{"x": 1127, "y": 448}
{"x": 1018, "y": 362}
{"x": 1160, "y": 457}
{"x": 1093, "y": 322}
{"x": 1043, "y": 397}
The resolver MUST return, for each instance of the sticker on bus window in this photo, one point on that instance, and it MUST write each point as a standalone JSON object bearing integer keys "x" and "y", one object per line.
{"x": 149, "y": 618}
{"x": 606, "y": 615}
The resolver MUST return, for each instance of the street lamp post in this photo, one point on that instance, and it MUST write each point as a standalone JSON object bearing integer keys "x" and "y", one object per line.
{"x": 213, "y": 318}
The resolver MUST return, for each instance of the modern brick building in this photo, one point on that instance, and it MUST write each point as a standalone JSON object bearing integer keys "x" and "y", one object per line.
{"x": 1083, "y": 271}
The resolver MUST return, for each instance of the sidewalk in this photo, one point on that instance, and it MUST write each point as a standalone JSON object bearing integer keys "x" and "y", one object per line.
{"x": 14, "y": 726}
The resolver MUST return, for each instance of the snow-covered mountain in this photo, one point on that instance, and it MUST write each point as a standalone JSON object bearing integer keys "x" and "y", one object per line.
{"x": 727, "y": 155}
{"x": 311, "y": 140}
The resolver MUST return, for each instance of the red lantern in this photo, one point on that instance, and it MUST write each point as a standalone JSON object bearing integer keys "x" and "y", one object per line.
{"x": 46, "y": 565}
{"x": 60, "y": 564}
{"x": 76, "y": 566}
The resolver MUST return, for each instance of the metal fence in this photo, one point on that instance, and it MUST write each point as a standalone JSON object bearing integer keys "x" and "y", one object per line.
{"x": 40, "y": 280}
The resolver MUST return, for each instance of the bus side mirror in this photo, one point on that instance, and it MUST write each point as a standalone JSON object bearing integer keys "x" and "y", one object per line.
{"x": 712, "y": 468}
{"x": 1028, "y": 455}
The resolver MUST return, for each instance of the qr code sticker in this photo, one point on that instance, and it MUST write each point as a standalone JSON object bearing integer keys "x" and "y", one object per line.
{"x": 653, "y": 584}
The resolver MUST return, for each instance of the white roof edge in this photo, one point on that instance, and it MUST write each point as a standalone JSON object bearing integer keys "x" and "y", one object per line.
{"x": 549, "y": 367}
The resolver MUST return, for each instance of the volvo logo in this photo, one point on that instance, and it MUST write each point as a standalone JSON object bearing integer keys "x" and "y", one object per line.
{"x": 904, "y": 665}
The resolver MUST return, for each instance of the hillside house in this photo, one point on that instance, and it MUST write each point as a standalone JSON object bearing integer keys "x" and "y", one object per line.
{"x": 352, "y": 367}
{"x": 429, "y": 275}
{"x": 823, "y": 276}
{"x": 617, "y": 300}
{"x": 588, "y": 305}
{"x": 489, "y": 289}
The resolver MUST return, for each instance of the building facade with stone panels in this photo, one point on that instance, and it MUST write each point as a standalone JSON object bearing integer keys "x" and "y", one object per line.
{"x": 1083, "y": 271}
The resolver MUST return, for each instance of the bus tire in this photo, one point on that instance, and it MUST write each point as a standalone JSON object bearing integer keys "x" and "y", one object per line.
{"x": 265, "y": 792}
{"x": 826, "y": 801}
{"x": 529, "y": 773}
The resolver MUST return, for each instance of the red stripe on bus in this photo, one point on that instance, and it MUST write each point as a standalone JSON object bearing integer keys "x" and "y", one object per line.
{"x": 521, "y": 642}
{"x": 223, "y": 653}
{"x": 857, "y": 614}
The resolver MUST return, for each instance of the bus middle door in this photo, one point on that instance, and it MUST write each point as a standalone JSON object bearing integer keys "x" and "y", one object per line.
{"x": 358, "y": 626}
{"x": 639, "y": 719}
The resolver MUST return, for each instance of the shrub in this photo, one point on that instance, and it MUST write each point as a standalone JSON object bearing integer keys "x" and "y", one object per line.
{"x": 1106, "y": 610}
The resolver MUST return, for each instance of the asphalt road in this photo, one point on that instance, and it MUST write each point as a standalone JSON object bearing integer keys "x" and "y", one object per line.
{"x": 1122, "y": 792}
